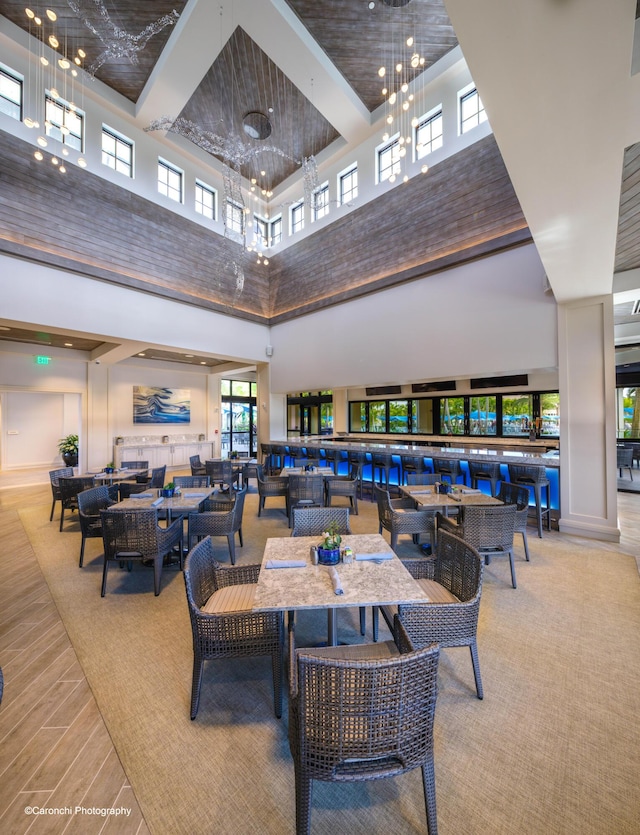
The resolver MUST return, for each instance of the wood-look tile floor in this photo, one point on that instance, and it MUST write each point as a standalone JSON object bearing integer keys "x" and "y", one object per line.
{"x": 55, "y": 751}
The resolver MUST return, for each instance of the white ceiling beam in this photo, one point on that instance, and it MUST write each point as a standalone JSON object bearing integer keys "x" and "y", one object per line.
{"x": 556, "y": 87}
{"x": 194, "y": 44}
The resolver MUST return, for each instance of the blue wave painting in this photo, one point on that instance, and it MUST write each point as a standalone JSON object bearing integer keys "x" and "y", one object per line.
{"x": 158, "y": 405}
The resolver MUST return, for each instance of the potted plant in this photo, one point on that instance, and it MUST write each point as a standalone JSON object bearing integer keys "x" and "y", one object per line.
{"x": 168, "y": 489}
{"x": 68, "y": 449}
{"x": 329, "y": 548}
{"x": 109, "y": 468}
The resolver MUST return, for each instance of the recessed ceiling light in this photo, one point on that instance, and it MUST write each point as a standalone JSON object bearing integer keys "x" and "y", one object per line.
{"x": 4, "y": 328}
{"x": 68, "y": 344}
{"x": 189, "y": 356}
{"x": 142, "y": 355}
{"x": 203, "y": 363}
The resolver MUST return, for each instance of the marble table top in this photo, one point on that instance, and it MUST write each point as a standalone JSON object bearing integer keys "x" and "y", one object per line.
{"x": 426, "y": 496}
{"x": 287, "y": 471}
{"x": 190, "y": 499}
{"x": 365, "y": 582}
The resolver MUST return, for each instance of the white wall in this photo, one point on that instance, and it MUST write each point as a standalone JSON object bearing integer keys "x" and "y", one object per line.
{"x": 32, "y": 293}
{"x": 483, "y": 319}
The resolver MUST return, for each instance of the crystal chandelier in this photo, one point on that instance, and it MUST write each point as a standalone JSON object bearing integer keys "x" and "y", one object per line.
{"x": 398, "y": 77}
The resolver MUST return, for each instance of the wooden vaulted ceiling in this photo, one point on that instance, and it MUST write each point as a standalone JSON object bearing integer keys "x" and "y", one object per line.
{"x": 242, "y": 76}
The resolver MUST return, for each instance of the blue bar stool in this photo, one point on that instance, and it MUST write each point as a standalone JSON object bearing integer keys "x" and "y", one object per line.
{"x": 485, "y": 471}
{"x": 535, "y": 478}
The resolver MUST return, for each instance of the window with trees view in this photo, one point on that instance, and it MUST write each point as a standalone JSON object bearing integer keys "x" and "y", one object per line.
{"x": 517, "y": 414}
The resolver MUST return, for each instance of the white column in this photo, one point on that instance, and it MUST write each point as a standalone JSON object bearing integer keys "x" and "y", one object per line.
{"x": 340, "y": 410}
{"x": 586, "y": 365}
{"x": 99, "y": 437}
{"x": 272, "y": 408}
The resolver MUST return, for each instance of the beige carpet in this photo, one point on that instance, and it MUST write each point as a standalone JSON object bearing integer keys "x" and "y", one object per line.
{"x": 553, "y": 748}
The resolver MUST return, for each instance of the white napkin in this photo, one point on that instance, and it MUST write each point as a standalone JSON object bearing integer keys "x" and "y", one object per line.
{"x": 141, "y": 496}
{"x": 191, "y": 495}
{"x": 156, "y": 502}
{"x": 382, "y": 555}
{"x": 335, "y": 579}
{"x": 285, "y": 564}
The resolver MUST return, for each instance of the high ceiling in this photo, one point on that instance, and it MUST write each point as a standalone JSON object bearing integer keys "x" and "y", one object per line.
{"x": 239, "y": 76}
{"x": 315, "y": 62}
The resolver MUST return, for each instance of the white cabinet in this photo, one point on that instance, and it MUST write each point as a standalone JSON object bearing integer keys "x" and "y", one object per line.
{"x": 171, "y": 456}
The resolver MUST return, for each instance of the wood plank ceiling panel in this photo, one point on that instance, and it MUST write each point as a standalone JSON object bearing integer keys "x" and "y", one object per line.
{"x": 130, "y": 16}
{"x": 464, "y": 207}
{"x": 244, "y": 79}
{"x": 628, "y": 242}
{"x": 359, "y": 40}
{"x": 80, "y": 221}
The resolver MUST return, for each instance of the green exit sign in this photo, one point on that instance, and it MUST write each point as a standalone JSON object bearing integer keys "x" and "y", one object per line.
{"x": 43, "y": 360}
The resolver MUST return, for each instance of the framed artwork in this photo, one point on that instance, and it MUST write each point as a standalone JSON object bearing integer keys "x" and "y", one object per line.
{"x": 161, "y": 405}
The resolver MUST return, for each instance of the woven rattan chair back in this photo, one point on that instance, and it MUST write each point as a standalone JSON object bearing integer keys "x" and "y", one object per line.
{"x": 624, "y": 460}
{"x": 458, "y": 568}
{"x": 197, "y": 467}
{"x": 54, "y": 478}
{"x": 70, "y": 486}
{"x": 489, "y": 527}
{"x": 270, "y": 487}
{"x": 225, "y": 522}
{"x": 313, "y": 521}
{"x": 422, "y": 478}
{"x": 129, "y": 535}
{"x": 518, "y": 495}
{"x": 346, "y": 486}
{"x": 228, "y": 635}
{"x": 305, "y": 489}
{"x": 90, "y": 503}
{"x": 362, "y": 720}
{"x": 191, "y": 481}
{"x": 220, "y": 472}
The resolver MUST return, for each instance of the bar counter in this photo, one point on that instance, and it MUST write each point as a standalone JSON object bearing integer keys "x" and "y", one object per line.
{"x": 523, "y": 455}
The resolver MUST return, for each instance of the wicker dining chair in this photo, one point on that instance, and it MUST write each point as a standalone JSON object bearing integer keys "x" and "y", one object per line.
{"x": 272, "y": 486}
{"x": 54, "y": 478}
{"x": 453, "y": 583}
{"x": 196, "y": 465}
{"x": 362, "y": 712}
{"x": 90, "y": 503}
{"x": 219, "y": 523}
{"x": 156, "y": 480}
{"x": 223, "y": 624}
{"x": 69, "y": 489}
{"x": 346, "y": 486}
{"x": 304, "y": 491}
{"x": 518, "y": 495}
{"x": 313, "y": 521}
{"x": 190, "y": 481}
{"x": 221, "y": 472}
{"x": 400, "y": 517}
{"x": 487, "y": 528}
{"x": 624, "y": 460}
{"x": 129, "y": 535}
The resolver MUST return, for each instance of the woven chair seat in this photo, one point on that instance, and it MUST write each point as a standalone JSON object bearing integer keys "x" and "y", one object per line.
{"x": 231, "y": 599}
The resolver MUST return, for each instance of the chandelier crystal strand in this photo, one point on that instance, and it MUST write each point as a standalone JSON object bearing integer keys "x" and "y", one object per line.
{"x": 116, "y": 42}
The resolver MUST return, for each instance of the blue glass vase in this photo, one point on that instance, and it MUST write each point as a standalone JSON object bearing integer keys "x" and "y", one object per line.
{"x": 328, "y": 556}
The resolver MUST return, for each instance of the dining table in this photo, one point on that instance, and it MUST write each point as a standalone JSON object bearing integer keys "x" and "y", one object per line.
{"x": 427, "y": 497}
{"x": 118, "y": 474}
{"x": 290, "y": 581}
{"x": 316, "y": 471}
{"x": 189, "y": 500}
